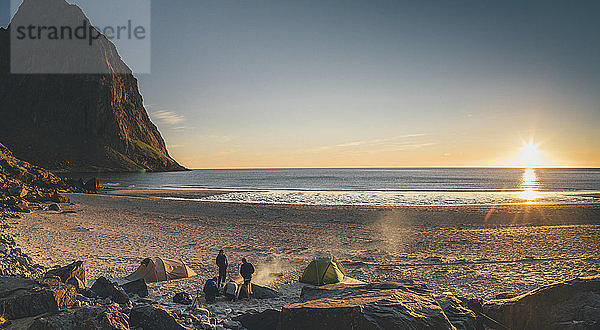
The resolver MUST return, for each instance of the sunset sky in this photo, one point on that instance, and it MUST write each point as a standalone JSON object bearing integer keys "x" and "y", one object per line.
{"x": 376, "y": 83}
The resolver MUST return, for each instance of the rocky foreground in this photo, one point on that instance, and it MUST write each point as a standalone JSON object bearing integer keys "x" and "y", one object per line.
{"x": 32, "y": 297}
{"x": 60, "y": 298}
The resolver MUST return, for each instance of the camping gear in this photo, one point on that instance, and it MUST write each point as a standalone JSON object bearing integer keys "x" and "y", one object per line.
{"x": 231, "y": 290}
{"x": 211, "y": 290}
{"x": 196, "y": 302}
{"x": 323, "y": 271}
{"x": 159, "y": 269}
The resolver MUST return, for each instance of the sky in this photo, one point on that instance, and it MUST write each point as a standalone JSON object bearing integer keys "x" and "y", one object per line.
{"x": 251, "y": 84}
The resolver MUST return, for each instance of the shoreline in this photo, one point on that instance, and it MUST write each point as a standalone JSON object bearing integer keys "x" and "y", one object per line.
{"x": 179, "y": 195}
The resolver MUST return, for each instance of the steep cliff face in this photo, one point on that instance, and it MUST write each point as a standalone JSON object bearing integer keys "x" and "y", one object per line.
{"x": 76, "y": 122}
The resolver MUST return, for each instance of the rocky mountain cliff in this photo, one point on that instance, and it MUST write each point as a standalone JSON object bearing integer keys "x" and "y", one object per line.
{"x": 75, "y": 122}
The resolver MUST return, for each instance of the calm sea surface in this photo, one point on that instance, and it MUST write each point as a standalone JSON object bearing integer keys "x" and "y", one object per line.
{"x": 429, "y": 186}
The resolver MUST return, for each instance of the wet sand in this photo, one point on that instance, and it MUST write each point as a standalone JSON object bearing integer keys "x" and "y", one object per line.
{"x": 164, "y": 193}
{"x": 475, "y": 251}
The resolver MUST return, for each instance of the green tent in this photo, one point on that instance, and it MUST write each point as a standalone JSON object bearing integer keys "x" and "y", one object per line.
{"x": 323, "y": 271}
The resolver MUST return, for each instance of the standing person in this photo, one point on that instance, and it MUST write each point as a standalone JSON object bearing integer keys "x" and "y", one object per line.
{"x": 222, "y": 264}
{"x": 246, "y": 270}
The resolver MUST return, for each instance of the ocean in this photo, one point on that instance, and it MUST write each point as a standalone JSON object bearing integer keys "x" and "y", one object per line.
{"x": 377, "y": 187}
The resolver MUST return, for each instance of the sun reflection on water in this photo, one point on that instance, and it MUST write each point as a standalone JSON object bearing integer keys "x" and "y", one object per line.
{"x": 530, "y": 186}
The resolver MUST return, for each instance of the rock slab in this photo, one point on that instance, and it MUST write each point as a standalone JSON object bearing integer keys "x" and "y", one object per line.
{"x": 75, "y": 270}
{"x": 573, "y": 304}
{"x": 254, "y": 320}
{"x": 94, "y": 317}
{"x": 20, "y": 297}
{"x": 138, "y": 287}
{"x": 106, "y": 289}
{"x": 262, "y": 292}
{"x": 387, "y": 305}
{"x": 148, "y": 317}
{"x": 459, "y": 313}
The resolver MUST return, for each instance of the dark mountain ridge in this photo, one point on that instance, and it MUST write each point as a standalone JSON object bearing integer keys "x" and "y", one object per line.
{"x": 75, "y": 122}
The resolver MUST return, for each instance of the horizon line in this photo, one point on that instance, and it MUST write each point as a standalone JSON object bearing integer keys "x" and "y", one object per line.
{"x": 398, "y": 167}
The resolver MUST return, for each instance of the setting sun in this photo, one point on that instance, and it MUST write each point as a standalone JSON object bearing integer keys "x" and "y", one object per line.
{"x": 530, "y": 156}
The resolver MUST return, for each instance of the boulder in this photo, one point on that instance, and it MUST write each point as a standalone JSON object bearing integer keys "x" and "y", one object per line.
{"x": 17, "y": 191}
{"x": 54, "y": 207}
{"x": 138, "y": 287}
{"x": 261, "y": 292}
{"x": 21, "y": 206}
{"x": 94, "y": 317}
{"x": 387, "y": 305}
{"x": 21, "y": 297}
{"x": 74, "y": 281}
{"x": 103, "y": 287}
{"x": 75, "y": 271}
{"x": 149, "y": 317}
{"x": 88, "y": 293}
{"x": 106, "y": 289}
{"x": 570, "y": 304}
{"x": 254, "y": 320}
{"x": 120, "y": 296}
{"x": 230, "y": 324}
{"x": 183, "y": 298}
{"x": 59, "y": 198}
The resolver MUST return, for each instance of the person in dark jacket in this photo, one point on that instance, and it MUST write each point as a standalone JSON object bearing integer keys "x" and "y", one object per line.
{"x": 222, "y": 264}
{"x": 211, "y": 290}
{"x": 246, "y": 270}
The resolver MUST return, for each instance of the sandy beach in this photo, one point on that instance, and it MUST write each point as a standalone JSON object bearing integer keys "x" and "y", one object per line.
{"x": 473, "y": 251}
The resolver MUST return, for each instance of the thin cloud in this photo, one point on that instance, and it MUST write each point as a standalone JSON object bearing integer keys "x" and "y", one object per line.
{"x": 217, "y": 138}
{"x": 168, "y": 117}
{"x": 373, "y": 142}
{"x": 183, "y": 127}
{"x": 391, "y": 148}
{"x": 403, "y": 147}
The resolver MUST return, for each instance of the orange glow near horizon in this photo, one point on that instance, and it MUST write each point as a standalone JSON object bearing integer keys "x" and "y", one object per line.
{"x": 417, "y": 151}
